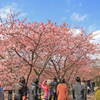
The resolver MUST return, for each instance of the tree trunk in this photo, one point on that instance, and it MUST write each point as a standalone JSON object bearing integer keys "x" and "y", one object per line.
{"x": 38, "y": 76}
{"x": 29, "y": 73}
{"x": 58, "y": 77}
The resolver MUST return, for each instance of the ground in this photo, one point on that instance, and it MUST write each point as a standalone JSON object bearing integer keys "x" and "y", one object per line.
{"x": 89, "y": 97}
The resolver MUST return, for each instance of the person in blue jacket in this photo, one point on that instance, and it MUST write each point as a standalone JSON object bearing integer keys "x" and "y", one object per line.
{"x": 1, "y": 94}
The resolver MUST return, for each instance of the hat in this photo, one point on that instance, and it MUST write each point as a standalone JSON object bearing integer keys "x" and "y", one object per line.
{"x": 49, "y": 82}
{"x": 35, "y": 80}
{"x": 55, "y": 79}
{"x": 22, "y": 78}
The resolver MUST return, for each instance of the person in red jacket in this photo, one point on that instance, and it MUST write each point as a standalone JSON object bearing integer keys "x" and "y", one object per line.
{"x": 62, "y": 91}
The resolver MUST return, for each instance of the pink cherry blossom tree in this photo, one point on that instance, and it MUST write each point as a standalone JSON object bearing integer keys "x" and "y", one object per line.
{"x": 25, "y": 46}
{"x": 33, "y": 49}
{"x": 75, "y": 51}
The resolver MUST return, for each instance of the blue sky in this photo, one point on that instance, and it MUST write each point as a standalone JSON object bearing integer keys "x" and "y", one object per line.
{"x": 85, "y": 13}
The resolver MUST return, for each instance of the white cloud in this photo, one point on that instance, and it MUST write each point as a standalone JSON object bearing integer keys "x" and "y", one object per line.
{"x": 96, "y": 34}
{"x": 13, "y": 7}
{"x": 97, "y": 37}
{"x": 22, "y": 14}
{"x": 75, "y": 31}
{"x": 91, "y": 28}
{"x": 97, "y": 40}
{"x": 78, "y": 17}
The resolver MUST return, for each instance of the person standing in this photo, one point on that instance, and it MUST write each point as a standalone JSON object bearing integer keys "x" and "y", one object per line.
{"x": 88, "y": 87}
{"x": 48, "y": 89}
{"x": 78, "y": 90}
{"x": 92, "y": 83}
{"x": 33, "y": 90}
{"x": 1, "y": 95}
{"x": 84, "y": 84}
{"x": 62, "y": 91}
{"x": 25, "y": 92}
{"x": 19, "y": 89}
{"x": 54, "y": 84}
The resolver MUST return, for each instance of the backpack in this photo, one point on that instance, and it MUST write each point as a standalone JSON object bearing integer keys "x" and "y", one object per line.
{"x": 49, "y": 94}
{"x": 55, "y": 87}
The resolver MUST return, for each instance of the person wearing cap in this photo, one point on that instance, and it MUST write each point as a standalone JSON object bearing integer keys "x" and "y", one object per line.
{"x": 62, "y": 90}
{"x": 19, "y": 89}
{"x": 78, "y": 90}
{"x": 54, "y": 84}
{"x": 33, "y": 90}
{"x": 48, "y": 89}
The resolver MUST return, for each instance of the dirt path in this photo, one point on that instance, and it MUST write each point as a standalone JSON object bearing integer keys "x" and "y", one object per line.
{"x": 89, "y": 97}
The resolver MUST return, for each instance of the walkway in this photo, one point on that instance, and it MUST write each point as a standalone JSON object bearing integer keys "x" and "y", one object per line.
{"x": 89, "y": 97}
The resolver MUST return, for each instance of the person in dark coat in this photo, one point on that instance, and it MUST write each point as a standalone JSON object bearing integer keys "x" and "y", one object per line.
{"x": 25, "y": 91}
{"x": 54, "y": 84}
{"x": 88, "y": 87}
{"x": 19, "y": 89}
{"x": 92, "y": 83}
{"x": 78, "y": 90}
{"x": 33, "y": 90}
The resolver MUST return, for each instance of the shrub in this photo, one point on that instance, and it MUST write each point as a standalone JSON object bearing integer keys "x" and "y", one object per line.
{"x": 97, "y": 83}
{"x": 97, "y": 94}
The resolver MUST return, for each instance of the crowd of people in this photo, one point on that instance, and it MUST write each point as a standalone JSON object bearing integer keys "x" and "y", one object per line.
{"x": 53, "y": 90}
{"x": 89, "y": 86}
